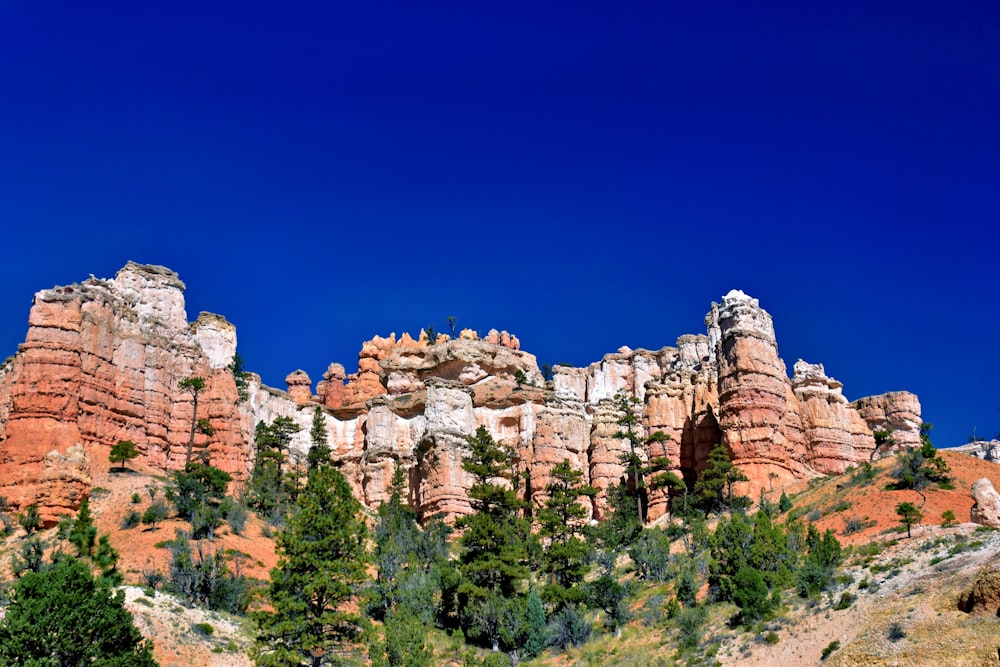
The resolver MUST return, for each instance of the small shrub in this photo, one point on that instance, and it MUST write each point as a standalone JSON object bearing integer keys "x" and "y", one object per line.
{"x": 204, "y": 629}
{"x": 30, "y": 519}
{"x": 852, "y": 524}
{"x": 842, "y": 506}
{"x": 947, "y": 518}
{"x": 131, "y": 519}
{"x": 830, "y": 648}
{"x": 689, "y": 624}
{"x": 814, "y": 515}
{"x": 895, "y": 632}
{"x": 568, "y": 628}
{"x": 136, "y": 499}
{"x": 771, "y": 638}
{"x": 845, "y": 601}
{"x": 784, "y": 503}
{"x": 236, "y": 517}
{"x": 653, "y": 610}
{"x": 152, "y": 578}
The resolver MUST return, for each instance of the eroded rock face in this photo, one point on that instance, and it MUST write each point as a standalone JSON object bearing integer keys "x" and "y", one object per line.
{"x": 986, "y": 510}
{"x": 896, "y": 410}
{"x": 758, "y": 413}
{"x": 983, "y": 597}
{"x": 836, "y": 434}
{"x": 101, "y": 363}
{"x": 103, "y": 360}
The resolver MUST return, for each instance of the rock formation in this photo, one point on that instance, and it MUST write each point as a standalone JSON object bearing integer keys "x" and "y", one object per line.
{"x": 981, "y": 449}
{"x": 984, "y": 594}
{"x": 986, "y": 510}
{"x": 102, "y": 363}
{"x": 898, "y": 411}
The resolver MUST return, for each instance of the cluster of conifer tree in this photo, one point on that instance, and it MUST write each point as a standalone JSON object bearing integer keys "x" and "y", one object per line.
{"x": 521, "y": 580}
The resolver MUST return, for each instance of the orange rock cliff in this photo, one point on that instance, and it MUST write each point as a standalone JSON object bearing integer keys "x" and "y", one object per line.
{"x": 103, "y": 360}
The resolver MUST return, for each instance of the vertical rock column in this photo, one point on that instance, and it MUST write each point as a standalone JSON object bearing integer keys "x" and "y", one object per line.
{"x": 753, "y": 393}
{"x": 443, "y": 484}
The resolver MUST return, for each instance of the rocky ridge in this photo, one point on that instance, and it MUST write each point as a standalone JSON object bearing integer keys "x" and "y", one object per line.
{"x": 103, "y": 360}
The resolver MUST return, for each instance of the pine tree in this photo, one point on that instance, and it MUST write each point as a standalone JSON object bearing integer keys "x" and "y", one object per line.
{"x": 494, "y": 543}
{"x": 122, "y": 452}
{"x": 319, "y": 451}
{"x": 566, "y": 558}
{"x": 195, "y": 385}
{"x": 62, "y": 616}
{"x": 410, "y": 562}
{"x": 536, "y": 630}
{"x": 714, "y": 489}
{"x": 909, "y": 514}
{"x": 629, "y": 421}
{"x": 319, "y": 576}
{"x": 270, "y": 488}
{"x": 83, "y": 533}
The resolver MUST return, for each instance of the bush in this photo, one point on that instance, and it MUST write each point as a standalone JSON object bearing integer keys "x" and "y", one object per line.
{"x": 136, "y": 499}
{"x": 131, "y": 519}
{"x": 750, "y": 595}
{"x": 651, "y": 555}
{"x": 845, "y": 601}
{"x": 569, "y": 628}
{"x": 895, "y": 632}
{"x": 689, "y": 626}
{"x": 155, "y": 513}
{"x": 30, "y": 519}
{"x": 236, "y": 517}
{"x": 784, "y": 503}
{"x": 204, "y": 629}
{"x": 830, "y": 648}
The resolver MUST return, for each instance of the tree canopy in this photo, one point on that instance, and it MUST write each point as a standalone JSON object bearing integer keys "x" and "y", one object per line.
{"x": 61, "y": 615}
{"x": 321, "y": 570}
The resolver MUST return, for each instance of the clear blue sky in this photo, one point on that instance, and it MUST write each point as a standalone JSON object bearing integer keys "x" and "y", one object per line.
{"x": 585, "y": 175}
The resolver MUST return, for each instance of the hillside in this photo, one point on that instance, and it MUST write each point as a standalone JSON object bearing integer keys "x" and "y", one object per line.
{"x": 914, "y": 582}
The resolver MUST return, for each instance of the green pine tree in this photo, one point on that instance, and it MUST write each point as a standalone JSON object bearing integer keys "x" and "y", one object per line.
{"x": 566, "y": 557}
{"x": 195, "y": 385}
{"x": 83, "y": 533}
{"x": 714, "y": 489}
{"x": 270, "y": 489}
{"x": 319, "y": 451}
{"x": 62, "y": 616}
{"x": 494, "y": 545}
{"x": 122, "y": 452}
{"x": 536, "y": 630}
{"x": 320, "y": 573}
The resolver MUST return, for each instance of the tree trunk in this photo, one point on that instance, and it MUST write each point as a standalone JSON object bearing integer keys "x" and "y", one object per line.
{"x": 194, "y": 423}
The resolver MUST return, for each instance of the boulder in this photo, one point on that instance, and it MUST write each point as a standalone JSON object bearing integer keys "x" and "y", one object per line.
{"x": 986, "y": 510}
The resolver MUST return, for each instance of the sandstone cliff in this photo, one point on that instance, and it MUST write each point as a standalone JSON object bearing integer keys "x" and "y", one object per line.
{"x": 102, "y": 362}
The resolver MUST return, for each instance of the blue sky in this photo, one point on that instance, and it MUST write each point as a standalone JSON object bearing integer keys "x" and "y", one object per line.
{"x": 585, "y": 175}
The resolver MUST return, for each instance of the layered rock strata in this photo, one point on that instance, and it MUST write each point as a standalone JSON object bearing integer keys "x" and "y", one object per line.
{"x": 103, "y": 361}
